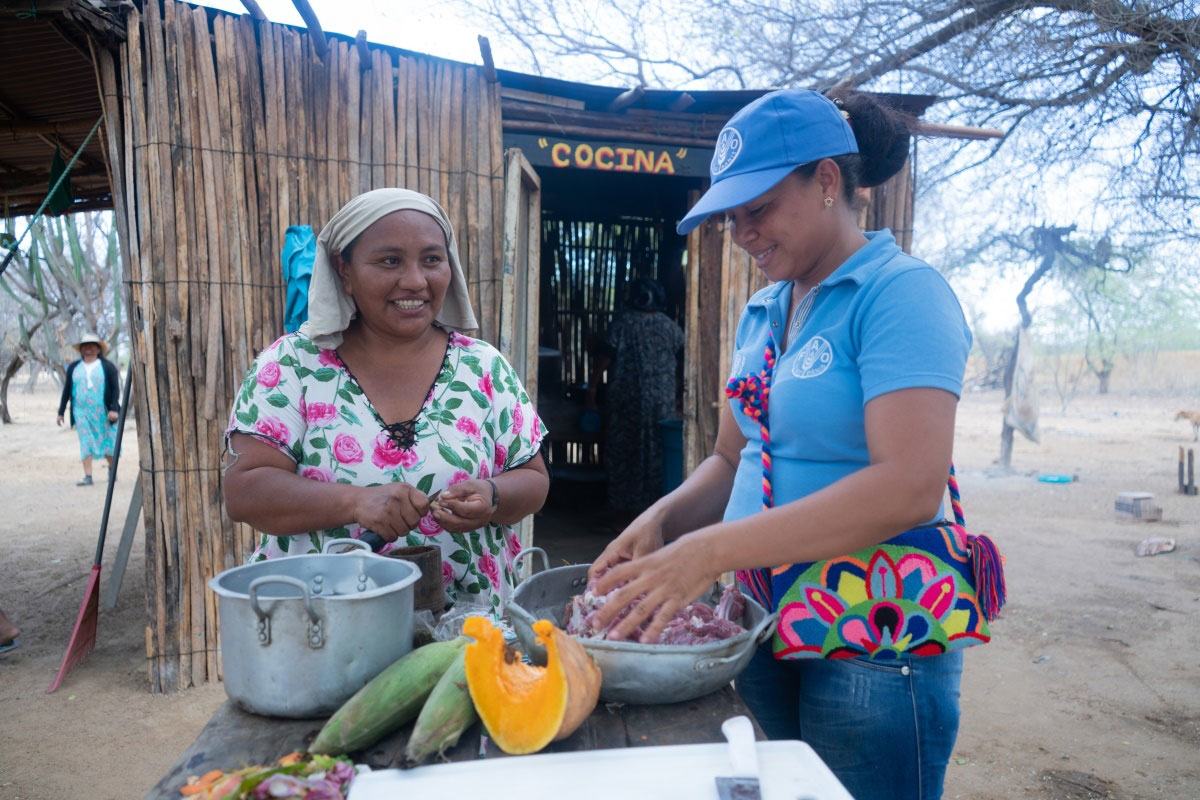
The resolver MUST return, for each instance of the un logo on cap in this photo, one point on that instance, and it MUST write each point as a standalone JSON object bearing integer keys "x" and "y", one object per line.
{"x": 729, "y": 147}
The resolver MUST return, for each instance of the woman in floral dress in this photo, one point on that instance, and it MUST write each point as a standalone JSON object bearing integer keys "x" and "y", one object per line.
{"x": 378, "y": 415}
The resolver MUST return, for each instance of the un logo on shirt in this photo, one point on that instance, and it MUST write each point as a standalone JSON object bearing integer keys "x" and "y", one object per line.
{"x": 813, "y": 359}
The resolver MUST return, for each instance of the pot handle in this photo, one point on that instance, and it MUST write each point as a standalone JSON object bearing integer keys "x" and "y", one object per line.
{"x": 349, "y": 544}
{"x": 761, "y": 632}
{"x": 316, "y": 628}
{"x": 522, "y": 622}
{"x": 545, "y": 558}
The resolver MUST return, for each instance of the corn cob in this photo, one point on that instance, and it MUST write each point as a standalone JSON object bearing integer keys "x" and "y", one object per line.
{"x": 390, "y": 699}
{"x": 446, "y": 715}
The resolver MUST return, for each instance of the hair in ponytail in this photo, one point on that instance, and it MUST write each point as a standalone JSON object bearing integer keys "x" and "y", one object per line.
{"x": 882, "y": 134}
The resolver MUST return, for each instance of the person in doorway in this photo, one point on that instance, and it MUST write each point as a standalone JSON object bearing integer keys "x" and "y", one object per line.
{"x": 859, "y": 352}
{"x": 641, "y": 355}
{"x": 93, "y": 388}
{"x": 9, "y": 634}
{"x": 379, "y": 404}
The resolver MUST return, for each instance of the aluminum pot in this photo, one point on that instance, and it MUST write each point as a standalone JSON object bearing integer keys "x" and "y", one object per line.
{"x": 633, "y": 672}
{"x": 300, "y": 635}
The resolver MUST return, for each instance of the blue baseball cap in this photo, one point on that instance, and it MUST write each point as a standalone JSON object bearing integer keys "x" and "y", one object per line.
{"x": 764, "y": 142}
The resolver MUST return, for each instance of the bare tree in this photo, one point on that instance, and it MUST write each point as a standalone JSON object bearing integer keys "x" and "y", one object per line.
{"x": 1114, "y": 80}
{"x": 1053, "y": 250}
{"x": 67, "y": 282}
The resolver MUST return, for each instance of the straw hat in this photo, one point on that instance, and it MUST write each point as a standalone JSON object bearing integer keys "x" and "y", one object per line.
{"x": 91, "y": 338}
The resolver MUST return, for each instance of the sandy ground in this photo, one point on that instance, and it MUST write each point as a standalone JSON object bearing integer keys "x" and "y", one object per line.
{"x": 1091, "y": 688}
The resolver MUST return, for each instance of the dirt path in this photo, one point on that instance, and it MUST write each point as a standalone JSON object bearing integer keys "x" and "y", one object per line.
{"x": 1091, "y": 688}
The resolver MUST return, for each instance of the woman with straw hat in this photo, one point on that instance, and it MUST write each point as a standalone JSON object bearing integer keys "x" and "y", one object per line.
{"x": 379, "y": 419}
{"x": 92, "y": 387}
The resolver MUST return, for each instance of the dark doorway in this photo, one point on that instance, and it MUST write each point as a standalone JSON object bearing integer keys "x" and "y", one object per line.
{"x": 599, "y": 232}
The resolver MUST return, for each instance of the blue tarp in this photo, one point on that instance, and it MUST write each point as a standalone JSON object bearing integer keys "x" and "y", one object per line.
{"x": 299, "y": 252}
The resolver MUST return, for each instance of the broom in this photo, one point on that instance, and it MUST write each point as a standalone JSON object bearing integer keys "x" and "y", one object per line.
{"x": 83, "y": 637}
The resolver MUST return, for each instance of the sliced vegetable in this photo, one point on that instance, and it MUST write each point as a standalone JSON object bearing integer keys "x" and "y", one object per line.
{"x": 525, "y": 707}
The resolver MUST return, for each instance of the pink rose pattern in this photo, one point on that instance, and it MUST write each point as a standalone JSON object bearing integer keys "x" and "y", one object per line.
{"x": 489, "y": 568}
{"x": 428, "y": 526}
{"x": 468, "y": 426}
{"x": 269, "y": 374}
{"x": 347, "y": 450}
{"x": 317, "y": 474}
{"x": 320, "y": 413}
{"x": 273, "y": 428}
{"x": 387, "y": 453}
{"x": 476, "y": 420}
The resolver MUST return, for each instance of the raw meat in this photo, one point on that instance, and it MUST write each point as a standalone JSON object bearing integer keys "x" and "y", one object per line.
{"x": 697, "y": 623}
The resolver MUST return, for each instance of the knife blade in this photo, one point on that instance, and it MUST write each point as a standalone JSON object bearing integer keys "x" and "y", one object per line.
{"x": 743, "y": 756}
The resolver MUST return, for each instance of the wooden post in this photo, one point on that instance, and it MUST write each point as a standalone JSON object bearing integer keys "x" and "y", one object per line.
{"x": 320, "y": 44}
{"x": 256, "y": 13}
{"x": 489, "y": 66}
{"x": 626, "y": 98}
{"x": 1182, "y": 483}
{"x": 682, "y": 103}
{"x": 364, "y": 52}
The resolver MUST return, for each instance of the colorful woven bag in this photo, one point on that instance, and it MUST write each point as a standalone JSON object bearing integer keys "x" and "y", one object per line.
{"x": 928, "y": 591}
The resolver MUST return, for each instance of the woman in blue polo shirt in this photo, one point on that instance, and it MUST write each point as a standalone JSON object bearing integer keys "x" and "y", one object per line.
{"x": 864, "y": 348}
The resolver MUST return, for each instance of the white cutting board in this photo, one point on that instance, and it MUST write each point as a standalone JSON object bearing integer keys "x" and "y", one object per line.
{"x": 788, "y": 770}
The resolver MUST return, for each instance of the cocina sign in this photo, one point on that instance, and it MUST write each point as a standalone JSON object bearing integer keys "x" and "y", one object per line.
{"x": 611, "y": 156}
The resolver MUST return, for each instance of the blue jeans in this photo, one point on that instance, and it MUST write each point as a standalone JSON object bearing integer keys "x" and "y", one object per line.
{"x": 886, "y": 729}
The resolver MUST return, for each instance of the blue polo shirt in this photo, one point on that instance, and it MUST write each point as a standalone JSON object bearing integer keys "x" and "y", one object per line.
{"x": 883, "y": 321}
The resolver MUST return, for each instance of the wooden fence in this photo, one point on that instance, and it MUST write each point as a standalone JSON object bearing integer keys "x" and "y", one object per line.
{"x": 221, "y": 132}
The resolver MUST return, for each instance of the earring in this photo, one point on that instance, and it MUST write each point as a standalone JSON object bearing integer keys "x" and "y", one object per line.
{"x": 829, "y": 202}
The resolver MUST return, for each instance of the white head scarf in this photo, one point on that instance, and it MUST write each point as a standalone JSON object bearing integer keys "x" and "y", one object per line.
{"x": 330, "y": 309}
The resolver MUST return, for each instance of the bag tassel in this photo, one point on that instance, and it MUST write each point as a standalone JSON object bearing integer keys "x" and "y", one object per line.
{"x": 988, "y": 567}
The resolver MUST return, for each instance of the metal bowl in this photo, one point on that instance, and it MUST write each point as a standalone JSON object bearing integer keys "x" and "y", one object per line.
{"x": 634, "y": 672}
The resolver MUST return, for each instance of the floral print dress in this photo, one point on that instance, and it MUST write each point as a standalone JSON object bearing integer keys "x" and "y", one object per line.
{"x": 477, "y": 421}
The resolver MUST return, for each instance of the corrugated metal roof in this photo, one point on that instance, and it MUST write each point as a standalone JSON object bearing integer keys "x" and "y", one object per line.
{"x": 45, "y": 81}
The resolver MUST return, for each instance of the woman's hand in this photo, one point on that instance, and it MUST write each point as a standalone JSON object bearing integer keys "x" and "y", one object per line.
{"x": 60, "y": 420}
{"x": 112, "y": 416}
{"x": 643, "y": 536}
{"x": 465, "y": 506}
{"x": 656, "y": 587}
{"x": 391, "y": 510}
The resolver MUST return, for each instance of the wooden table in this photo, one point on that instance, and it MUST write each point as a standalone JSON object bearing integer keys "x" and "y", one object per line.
{"x": 234, "y": 738}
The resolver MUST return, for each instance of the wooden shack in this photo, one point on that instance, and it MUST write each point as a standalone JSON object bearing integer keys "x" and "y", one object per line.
{"x": 222, "y": 130}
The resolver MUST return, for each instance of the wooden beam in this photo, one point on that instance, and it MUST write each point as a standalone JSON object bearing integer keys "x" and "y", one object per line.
{"x": 626, "y": 98}
{"x": 681, "y": 103}
{"x": 255, "y": 11}
{"x": 26, "y": 127}
{"x": 489, "y": 65}
{"x": 314, "y": 27}
{"x": 364, "y": 52}
{"x": 941, "y": 131}
{"x": 16, "y": 114}
{"x": 589, "y": 132}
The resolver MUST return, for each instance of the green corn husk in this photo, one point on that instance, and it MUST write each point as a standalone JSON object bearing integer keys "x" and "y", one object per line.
{"x": 392, "y": 698}
{"x": 448, "y": 712}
